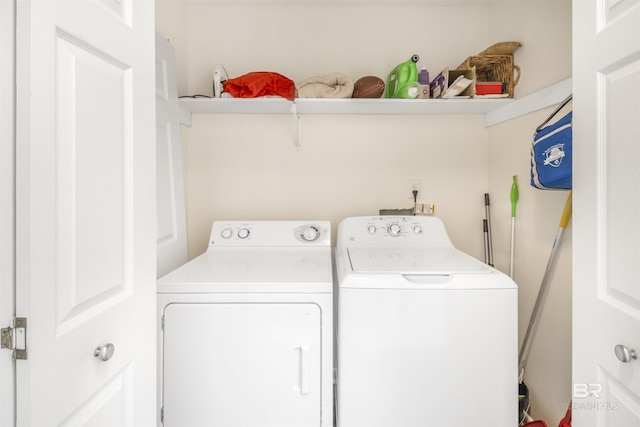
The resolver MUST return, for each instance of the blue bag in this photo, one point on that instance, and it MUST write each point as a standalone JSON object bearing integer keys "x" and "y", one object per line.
{"x": 551, "y": 153}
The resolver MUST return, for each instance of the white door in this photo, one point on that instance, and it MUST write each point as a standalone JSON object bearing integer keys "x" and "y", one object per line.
{"x": 242, "y": 365}
{"x": 606, "y": 199}
{"x": 172, "y": 226}
{"x": 86, "y": 226}
{"x": 7, "y": 183}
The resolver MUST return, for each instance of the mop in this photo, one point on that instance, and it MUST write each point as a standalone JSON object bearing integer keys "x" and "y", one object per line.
{"x": 522, "y": 357}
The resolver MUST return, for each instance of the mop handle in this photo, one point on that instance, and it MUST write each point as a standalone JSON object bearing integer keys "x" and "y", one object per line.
{"x": 564, "y": 220}
{"x": 514, "y": 200}
{"x": 489, "y": 243}
{"x": 514, "y": 195}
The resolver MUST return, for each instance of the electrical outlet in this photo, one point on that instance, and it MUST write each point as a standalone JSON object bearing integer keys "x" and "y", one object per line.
{"x": 412, "y": 185}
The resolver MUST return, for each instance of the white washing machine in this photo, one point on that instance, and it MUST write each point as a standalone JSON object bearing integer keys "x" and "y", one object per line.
{"x": 427, "y": 335}
{"x": 246, "y": 329}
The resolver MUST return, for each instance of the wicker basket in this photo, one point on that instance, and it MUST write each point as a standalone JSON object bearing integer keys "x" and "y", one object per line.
{"x": 494, "y": 68}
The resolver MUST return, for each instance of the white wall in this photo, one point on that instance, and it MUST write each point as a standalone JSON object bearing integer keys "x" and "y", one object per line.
{"x": 301, "y": 41}
{"x": 246, "y": 166}
{"x": 544, "y": 29}
{"x": 348, "y": 165}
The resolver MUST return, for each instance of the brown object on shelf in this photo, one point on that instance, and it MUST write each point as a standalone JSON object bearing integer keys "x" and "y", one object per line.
{"x": 502, "y": 48}
{"x": 494, "y": 68}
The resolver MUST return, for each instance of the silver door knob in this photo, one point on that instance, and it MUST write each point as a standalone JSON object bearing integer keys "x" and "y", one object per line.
{"x": 104, "y": 352}
{"x": 624, "y": 354}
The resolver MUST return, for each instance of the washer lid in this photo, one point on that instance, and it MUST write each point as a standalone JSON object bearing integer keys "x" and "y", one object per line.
{"x": 413, "y": 260}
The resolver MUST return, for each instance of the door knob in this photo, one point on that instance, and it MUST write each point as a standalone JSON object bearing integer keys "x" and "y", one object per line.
{"x": 624, "y": 354}
{"x": 104, "y": 352}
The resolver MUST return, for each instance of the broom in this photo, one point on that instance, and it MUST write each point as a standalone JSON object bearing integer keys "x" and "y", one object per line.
{"x": 522, "y": 357}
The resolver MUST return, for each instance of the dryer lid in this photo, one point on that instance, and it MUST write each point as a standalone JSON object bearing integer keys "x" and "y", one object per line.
{"x": 253, "y": 270}
{"x": 414, "y": 260}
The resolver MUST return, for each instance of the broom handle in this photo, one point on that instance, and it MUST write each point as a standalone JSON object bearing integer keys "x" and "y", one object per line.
{"x": 564, "y": 220}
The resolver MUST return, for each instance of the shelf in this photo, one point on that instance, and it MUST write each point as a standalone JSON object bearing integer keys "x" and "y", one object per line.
{"x": 495, "y": 110}
{"x": 538, "y": 100}
{"x": 340, "y": 106}
{"x": 398, "y": 106}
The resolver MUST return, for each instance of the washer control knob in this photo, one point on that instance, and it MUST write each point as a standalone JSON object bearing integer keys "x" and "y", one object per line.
{"x": 243, "y": 233}
{"x": 394, "y": 230}
{"x": 226, "y": 233}
{"x": 310, "y": 234}
{"x": 417, "y": 229}
{"x": 372, "y": 229}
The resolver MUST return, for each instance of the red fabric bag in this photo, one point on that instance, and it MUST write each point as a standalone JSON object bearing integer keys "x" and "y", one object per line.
{"x": 566, "y": 421}
{"x": 261, "y": 83}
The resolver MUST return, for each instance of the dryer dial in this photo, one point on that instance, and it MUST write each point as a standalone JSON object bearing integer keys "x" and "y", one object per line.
{"x": 243, "y": 233}
{"x": 310, "y": 234}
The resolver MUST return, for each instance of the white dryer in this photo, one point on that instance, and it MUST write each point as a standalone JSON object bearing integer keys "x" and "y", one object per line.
{"x": 427, "y": 335}
{"x": 246, "y": 329}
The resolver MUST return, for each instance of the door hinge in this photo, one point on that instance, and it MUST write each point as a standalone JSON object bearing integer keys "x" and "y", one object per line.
{"x": 14, "y": 338}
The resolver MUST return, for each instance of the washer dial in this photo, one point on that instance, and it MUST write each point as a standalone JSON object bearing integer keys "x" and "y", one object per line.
{"x": 394, "y": 230}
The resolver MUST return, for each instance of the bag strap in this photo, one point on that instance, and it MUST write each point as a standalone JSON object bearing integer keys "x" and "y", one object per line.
{"x": 560, "y": 107}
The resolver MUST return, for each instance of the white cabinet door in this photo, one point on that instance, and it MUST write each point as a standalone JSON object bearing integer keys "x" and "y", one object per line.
{"x": 244, "y": 365}
{"x": 606, "y": 199}
{"x": 86, "y": 226}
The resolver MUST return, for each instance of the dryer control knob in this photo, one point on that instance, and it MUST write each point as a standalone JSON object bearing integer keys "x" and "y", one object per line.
{"x": 243, "y": 233}
{"x": 226, "y": 233}
{"x": 417, "y": 229}
{"x": 372, "y": 229}
{"x": 310, "y": 234}
{"x": 394, "y": 230}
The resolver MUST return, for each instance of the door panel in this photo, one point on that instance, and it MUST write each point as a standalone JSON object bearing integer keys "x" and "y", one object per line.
{"x": 93, "y": 206}
{"x": 172, "y": 226}
{"x": 85, "y": 222}
{"x": 606, "y": 301}
{"x": 107, "y": 407}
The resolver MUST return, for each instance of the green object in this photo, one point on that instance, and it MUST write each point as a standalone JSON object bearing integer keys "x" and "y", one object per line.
{"x": 514, "y": 200}
{"x": 514, "y": 196}
{"x": 402, "y": 81}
